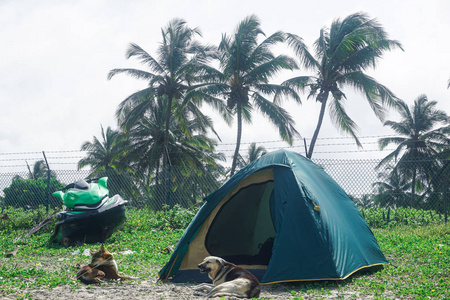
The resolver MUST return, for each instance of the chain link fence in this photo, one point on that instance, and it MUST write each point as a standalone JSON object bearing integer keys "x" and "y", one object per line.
{"x": 176, "y": 186}
{"x": 421, "y": 184}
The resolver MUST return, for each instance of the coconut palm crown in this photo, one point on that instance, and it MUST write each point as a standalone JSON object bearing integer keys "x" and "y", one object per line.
{"x": 342, "y": 54}
{"x": 421, "y": 140}
{"x": 246, "y": 67}
{"x": 103, "y": 155}
{"x": 420, "y": 134}
{"x": 172, "y": 73}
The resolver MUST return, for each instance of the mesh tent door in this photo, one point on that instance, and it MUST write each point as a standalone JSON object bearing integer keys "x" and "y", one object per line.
{"x": 242, "y": 231}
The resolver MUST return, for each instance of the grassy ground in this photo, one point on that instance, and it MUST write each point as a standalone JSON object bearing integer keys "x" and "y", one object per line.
{"x": 419, "y": 256}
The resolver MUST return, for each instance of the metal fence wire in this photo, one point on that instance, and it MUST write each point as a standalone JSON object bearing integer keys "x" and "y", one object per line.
{"x": 422, "y": 184}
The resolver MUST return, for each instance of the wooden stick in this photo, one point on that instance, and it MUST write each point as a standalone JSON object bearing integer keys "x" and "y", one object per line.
{"x": 38, "y": 227}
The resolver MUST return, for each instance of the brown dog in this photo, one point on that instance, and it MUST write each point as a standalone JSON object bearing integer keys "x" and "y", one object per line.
{"x": 228, "y": 280}
{"x": 102, "y": 266}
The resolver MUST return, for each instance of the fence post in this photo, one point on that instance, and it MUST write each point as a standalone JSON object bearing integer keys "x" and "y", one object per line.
{"x": 48, "y": 181}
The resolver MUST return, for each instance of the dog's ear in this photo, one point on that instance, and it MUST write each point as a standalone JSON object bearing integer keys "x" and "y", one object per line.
{"x": 102, "y": 248}
{"x": 222, "y": 261}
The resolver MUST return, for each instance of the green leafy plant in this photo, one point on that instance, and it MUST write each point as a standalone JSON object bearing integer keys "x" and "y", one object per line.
{"x": 30, "y": 193}
{"x": 378, "y": 217}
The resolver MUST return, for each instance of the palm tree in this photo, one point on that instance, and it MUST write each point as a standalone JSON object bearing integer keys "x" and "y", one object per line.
{"x": 392, "y": 188}
{"x": 40, "y": 170}
{"x": 103, "y": 155}
{"x": 342, "y": 54}
{"x": 419, "y": 140}
{"x": 255, "y": 152}
{"x": 366, "y": 201}
{"x": 246, "y": 66}
{"x": 172, "y": 74}
{"x": 439, "y": 189}
{"x": 193, "y": 153}
{"x": 146, "y": 141}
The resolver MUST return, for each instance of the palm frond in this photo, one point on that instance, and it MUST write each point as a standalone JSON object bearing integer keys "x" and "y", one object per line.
{"x": 376, "y": 94}
{"x": 391, "y": 156}
{"x": 138, "y": 74}
{"x": 403, "y": 128}
{"x": 299, "y": 83}
{"x": 302, "y": 52}
{"x": 262, "y": 53}
{"x": 264, "y": 71}
{"x": 278, "y": 116}
{"x": 144, "y": 57}
{"x": 127, "y": 105}
{"x": 422, "y": 140}
{"x": 321, "y": 47}
{"x": 246, "y": 110}
{"x": 357, "y": 42}
{"x": 384, "y": 142}
{"x": 254, "y": 152}
{"x": 284, "y": 92}
{"x": 342, "y": 120}
{"x": 441, "y": 135}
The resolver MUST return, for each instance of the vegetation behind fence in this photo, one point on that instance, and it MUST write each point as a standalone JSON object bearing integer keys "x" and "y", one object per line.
{"x": 423, "y": 185}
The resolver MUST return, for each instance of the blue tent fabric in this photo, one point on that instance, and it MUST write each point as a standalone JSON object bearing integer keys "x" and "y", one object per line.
{"x": 319, "y": 232}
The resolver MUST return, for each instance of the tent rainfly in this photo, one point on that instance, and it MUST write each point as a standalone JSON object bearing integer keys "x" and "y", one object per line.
{"x": 283, "y": 218}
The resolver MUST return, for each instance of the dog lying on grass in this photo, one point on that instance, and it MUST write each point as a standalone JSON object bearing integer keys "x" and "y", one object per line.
{"x": 102, "y": 267}
{"x": 228, "y": 280}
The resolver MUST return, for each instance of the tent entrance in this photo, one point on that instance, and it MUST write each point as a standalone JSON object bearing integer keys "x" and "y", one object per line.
{"x": 242, "y": 232}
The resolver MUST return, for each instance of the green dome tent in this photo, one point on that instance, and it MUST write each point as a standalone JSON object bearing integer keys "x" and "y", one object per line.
{"x": 282, "y": 218}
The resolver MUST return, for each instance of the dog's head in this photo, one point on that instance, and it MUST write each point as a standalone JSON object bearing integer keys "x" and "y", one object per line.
{"x": 101, "y": 257}
{"x": 211, "y": 264}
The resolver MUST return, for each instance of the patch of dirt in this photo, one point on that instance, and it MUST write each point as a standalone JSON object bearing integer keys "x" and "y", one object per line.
{"x": 151, "y": 289}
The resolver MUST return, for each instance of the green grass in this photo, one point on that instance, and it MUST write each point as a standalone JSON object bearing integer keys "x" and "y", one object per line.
{"x": 378, "y": 217}
{"x": 419, "y": 254}
{"x": 420, "y": 260}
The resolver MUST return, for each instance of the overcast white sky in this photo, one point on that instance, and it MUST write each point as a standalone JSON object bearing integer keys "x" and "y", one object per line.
{"x": 55, "y": 57}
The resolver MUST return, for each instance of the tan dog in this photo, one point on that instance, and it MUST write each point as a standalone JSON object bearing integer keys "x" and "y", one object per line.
{"x": 102, "y": 266}
{"x": 228, "y": 280}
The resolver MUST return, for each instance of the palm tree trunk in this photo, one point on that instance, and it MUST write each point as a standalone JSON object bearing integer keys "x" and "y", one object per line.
{"x": 413, "y": 190}
{"x": 166, "y": 132}
{"x": 166, "y": 149}
{"x": 238, "y": 141}
{"x": 319, "y": 124}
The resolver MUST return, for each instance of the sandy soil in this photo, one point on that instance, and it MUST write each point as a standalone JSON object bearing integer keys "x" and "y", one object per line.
{"x": 150, "y": 289}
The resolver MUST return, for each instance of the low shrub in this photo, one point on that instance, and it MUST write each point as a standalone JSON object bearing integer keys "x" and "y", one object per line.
{"x": 378, "y": 217}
